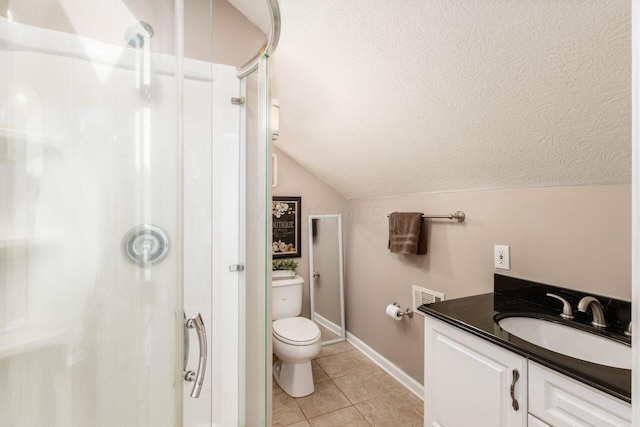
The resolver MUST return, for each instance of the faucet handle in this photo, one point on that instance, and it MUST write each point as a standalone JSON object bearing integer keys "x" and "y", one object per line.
{"x": 567, "y": 312}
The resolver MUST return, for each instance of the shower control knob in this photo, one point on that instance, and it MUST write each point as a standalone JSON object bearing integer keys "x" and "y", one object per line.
{"x": 145, "y": 245}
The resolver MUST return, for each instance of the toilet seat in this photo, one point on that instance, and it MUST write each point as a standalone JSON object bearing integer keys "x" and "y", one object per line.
{"x": 297, "y": 331}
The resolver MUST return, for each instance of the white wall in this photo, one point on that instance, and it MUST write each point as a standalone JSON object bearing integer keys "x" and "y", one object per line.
{"x": 576, "y": 237}
{"x": 317, "y": 198}
{"x": 573, "y": 237}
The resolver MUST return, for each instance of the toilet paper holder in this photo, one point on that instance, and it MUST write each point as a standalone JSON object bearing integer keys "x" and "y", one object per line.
{"x": 408, "y": 312}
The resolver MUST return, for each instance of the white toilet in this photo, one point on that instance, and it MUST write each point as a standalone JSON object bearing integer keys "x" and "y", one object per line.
{"x": 296, "y": 340}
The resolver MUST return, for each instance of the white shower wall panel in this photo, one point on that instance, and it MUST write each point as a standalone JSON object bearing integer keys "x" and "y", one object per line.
{"x": 32, "y": 103}
{"x": 227, "y": 404}
{"x": 211, "y": 154}
{"x": 197, "y": 234}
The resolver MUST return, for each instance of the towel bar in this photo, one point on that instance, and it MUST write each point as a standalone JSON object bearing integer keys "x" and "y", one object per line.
{"x": 457, "y": 215}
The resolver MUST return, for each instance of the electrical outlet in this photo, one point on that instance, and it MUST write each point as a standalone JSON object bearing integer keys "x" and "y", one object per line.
{"x": 501, "y": 257}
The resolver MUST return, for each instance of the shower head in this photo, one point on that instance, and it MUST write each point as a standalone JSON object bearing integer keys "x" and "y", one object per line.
{"x": 136, "y": 35}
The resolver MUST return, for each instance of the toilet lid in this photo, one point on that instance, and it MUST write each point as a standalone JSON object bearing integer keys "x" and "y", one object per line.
{"x": 296, "y": 330}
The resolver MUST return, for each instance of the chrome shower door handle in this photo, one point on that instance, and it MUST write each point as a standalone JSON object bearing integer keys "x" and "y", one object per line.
{"x": 198, "y": 377}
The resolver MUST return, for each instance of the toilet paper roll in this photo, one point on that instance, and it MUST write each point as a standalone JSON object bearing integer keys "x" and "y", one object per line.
{"x": 394, "y": 311}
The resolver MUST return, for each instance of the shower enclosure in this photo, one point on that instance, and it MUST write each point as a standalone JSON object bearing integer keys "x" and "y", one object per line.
{"x": 132, "y": 216}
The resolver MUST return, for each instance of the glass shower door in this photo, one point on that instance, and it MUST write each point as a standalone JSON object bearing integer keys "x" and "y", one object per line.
{"x": 254, "y": 315}
{"x": 91, "y": 320}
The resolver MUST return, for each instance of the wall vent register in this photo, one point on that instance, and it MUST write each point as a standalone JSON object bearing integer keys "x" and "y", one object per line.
{"x": 424, "y": 296}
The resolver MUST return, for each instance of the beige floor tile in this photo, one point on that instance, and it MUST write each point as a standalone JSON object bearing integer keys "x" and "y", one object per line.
{"x": 336, "y": 348}
{"x": 318, "y": 374}
{"x": 285, "y": 410}
{"x": 420, "y": 409}
{"x": 350, "y": 390}
{"x": 367, "y": 385}
{"x": 345, "y": 363}
{"x": 326, "y": 398}
{"x": 347, "y": 417}
{"x": 275, "y": 388}
{"x": 396, "y": 409}
{"x": 326, "y": 334}
{"x": 300, "y": 424}
{"x": 360, "y": 357}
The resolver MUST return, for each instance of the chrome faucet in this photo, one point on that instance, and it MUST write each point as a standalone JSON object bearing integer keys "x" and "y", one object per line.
{"x": 597, "y": 311}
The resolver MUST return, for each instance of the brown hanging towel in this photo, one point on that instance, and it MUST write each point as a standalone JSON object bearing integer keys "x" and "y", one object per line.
{"x": 405, "y": 233}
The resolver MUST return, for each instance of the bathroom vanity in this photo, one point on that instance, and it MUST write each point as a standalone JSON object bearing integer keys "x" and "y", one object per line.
{"x": 477, "y": 373}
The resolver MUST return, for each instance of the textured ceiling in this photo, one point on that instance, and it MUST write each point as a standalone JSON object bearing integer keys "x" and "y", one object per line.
{"x": 382, "y": 98}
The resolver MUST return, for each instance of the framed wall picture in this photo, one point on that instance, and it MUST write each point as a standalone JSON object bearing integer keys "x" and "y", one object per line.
{"x": 287, "y": 214}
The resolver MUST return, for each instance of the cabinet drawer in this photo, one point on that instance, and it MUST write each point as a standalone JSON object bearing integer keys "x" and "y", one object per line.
{"x": 562, "y": 401}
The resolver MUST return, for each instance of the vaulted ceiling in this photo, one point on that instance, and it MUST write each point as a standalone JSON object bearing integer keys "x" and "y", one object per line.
{"x": 256, "y": 11}
{"x": 382, "y": 98}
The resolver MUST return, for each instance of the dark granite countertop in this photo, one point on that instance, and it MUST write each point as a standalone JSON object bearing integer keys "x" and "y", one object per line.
{"x": 476, "y": 315}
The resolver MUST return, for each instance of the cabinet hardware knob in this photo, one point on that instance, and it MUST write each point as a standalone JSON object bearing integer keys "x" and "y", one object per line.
{"x": 514, "y": 401}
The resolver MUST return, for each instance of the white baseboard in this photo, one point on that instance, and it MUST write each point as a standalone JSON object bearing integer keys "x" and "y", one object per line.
{"x": 321, "y": 320}
{"x": 409, "y": 383}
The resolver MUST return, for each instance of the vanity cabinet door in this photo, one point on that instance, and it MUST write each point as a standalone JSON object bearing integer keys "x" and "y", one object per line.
{"x": 563, "y": 402}
{"x": 534, "y": 422}
{"x": 468, "y": 380}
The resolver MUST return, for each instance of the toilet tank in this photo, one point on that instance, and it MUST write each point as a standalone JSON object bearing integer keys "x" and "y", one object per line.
{"x": 286, "y": 297}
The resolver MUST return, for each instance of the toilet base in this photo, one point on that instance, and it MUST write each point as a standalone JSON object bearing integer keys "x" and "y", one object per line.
{"x": 296, "y": 379}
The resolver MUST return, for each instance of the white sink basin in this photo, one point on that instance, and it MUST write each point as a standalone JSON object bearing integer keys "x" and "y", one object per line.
{"x": 569, "y": 341}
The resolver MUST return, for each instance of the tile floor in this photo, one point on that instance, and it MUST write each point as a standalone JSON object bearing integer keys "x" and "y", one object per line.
{"x": 351, "y": 390}
{"x": 326, "y": 334}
